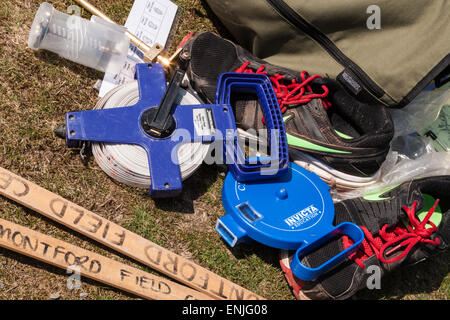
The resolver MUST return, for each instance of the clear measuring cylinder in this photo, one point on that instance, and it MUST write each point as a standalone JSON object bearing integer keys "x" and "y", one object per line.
{"x": 94, "y": 43}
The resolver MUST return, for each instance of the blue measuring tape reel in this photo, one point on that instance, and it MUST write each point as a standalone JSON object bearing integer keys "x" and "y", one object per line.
{"x": 155, "y": 121}
{"x": 294, "y": 211}
{"x": 259, "y": 168}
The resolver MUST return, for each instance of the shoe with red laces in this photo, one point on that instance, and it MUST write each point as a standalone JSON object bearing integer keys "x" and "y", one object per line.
{"x": 329, "y": 132}
{"x": 403, "y": 225}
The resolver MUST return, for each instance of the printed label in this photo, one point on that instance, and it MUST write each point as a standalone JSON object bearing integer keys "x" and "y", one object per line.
{"x": 204, "y": 122}
{"x": 303, "y": 216}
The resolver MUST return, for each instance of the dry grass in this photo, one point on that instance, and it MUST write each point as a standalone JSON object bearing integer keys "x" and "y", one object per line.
{"x": 36, "y": 90}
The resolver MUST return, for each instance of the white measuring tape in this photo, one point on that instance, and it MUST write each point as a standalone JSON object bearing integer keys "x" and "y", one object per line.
{"x": 128, "y": 163}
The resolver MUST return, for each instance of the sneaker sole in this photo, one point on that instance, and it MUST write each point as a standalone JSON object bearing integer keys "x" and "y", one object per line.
{"x": 333, "y": 177}
{"x": 294, "y": 283}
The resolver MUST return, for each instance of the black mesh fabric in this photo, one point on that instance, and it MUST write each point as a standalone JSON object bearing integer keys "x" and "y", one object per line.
{"x": 210, "y": 56}
{"x": 324, "y": 253}
{"x": 370, "y": 127}
{"x": 439, "y": 188}
{"x": 372, "y": 123}
{"x": 338, "y": 280}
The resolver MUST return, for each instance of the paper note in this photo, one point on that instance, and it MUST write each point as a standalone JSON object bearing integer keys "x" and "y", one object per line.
{"x": 150, "y": 21}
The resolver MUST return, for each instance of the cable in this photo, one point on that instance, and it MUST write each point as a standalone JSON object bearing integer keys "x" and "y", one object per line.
{"x": 127, "y": 163}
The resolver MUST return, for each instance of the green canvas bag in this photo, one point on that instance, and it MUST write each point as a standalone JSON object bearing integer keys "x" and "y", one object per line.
{"x": 389, "y": 50}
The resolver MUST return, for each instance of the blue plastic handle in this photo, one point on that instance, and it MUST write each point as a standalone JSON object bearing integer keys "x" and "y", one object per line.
{"x": 309, "y": 274}
{"x": 277, "y": 163}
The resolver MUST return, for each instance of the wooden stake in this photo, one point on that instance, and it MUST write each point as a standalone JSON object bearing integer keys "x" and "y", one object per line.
{"x": 92, "y": 265}
{"x": 114, "y": 236}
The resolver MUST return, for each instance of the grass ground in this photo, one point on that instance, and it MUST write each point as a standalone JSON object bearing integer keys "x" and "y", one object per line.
{"x": 37, "y": 89}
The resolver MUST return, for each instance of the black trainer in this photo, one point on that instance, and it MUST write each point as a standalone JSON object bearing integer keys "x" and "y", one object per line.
{"x": 329, "y": 132}
{"x": 403, "y": 225}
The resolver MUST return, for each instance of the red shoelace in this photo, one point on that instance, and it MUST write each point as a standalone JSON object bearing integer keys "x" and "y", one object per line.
{"x": 399, "y": 236}
{"x": 185, "y": 39}
{"x": 293, "y": 93}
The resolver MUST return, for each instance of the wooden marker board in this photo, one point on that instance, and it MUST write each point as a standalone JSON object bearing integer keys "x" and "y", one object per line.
{"x": 121, "y": 240}
{"x": 92, "y": 265}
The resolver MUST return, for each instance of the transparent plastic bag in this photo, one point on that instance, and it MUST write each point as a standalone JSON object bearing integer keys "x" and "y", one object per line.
{"x": 421, "y": 112}
{"x": 398, "y": 168}
{"x": 412, "y": 155}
